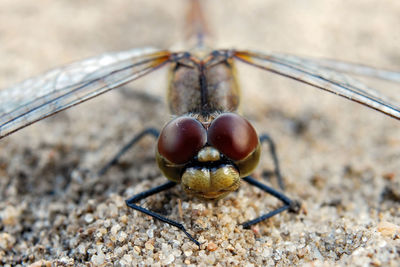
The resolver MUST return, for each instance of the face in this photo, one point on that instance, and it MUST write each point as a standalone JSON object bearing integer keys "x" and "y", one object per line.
{"x": 208, "y": 158}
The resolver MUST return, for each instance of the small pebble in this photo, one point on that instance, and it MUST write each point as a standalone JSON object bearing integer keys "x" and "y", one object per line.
{"x": 149, "y": 244}
{"x": 212, "y": 246}
{"x": 89, "y": 218}
{"x": 388, "y": 229}
{"x": 41, "y": 263}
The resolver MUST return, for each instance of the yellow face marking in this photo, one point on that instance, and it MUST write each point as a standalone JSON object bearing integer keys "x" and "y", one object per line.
{"x": 208, "y": 154}
{"x": 211, "y": 183}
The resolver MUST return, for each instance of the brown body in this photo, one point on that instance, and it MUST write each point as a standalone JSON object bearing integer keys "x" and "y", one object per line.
{"x": 203, "y": 88}
{"x": 203, "y": 84}
{"x": 207, "y": 148}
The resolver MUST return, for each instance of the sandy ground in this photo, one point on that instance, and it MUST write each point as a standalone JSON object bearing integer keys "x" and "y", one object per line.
{"x": 339, "y": 159}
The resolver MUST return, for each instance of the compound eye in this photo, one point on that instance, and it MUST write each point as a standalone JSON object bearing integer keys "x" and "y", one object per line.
{"x": 181, "y": 139}
{"x": 233, "y": 136}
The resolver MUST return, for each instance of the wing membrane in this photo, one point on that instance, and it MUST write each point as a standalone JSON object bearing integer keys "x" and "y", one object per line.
{"x": 346, "y": 67}
{"x": 59, "y": 89}
{"x": 322, "y": 77}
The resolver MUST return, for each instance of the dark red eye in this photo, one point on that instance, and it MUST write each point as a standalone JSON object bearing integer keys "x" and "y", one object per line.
{"x": 233, "y": 136}
{"x": 181, "y": 139}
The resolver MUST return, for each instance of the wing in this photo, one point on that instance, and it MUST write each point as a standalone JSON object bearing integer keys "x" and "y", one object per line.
{"x": 345, "y": 67}
{"x": 61, "y": 88}
{"x": 327, "y": 75}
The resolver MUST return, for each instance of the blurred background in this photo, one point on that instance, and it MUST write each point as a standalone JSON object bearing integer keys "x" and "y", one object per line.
{"x": 37, "y": 35}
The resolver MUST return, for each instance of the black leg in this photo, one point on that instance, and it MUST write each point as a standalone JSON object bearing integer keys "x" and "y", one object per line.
{"x": 272, "y": 150}
{"x": 136, "y": 198}
{"x": 134, "y": 140}
{"x": 289, "y": 204}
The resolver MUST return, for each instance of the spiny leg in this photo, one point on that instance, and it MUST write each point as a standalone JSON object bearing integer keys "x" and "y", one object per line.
{"x": 136, "y": 198}
{"x": 125, "y": 148}
{"x": 272, "y": 150}
{"x": 289, "y": 204}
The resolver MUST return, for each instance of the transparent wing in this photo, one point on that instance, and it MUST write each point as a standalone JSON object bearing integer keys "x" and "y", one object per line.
{"x": 345, "y": 67}
{"x": 327, "y": 76}
{"x": 61, "y": 88}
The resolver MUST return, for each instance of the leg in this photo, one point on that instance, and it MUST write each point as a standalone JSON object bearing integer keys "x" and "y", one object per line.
{"x": 272, "y": 150}
{"x": 136, "y": 198}
{"x": 134, "y": 140}
{"x": 289, "y": 204}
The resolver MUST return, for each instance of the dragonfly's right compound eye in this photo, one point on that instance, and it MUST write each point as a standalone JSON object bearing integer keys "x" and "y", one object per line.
{"x": 181, "y": 139}
{"x": 178, "y": 143}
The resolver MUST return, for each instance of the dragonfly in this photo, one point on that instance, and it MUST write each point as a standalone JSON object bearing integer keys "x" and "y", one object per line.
{"x": 208, "y": 147}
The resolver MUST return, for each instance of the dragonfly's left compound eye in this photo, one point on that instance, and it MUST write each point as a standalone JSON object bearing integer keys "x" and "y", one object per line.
{"x": 233, "y": 135}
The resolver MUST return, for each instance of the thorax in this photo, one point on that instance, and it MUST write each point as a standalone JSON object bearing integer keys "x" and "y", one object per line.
{"x": 202, "y": 83}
